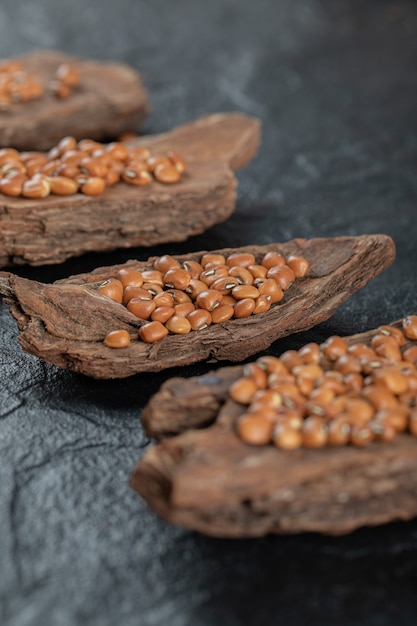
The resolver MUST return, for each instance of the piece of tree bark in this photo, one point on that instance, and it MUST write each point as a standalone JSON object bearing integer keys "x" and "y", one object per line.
{"x": 58, "y": 227}
{"x": 109, "y": 100}
{"x": 211, "y": 481}
{"x": 65, "y": 323}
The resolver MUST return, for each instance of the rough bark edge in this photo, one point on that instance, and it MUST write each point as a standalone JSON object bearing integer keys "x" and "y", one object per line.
{"x": 51, "y": 317}
{"x": 210, "y": 481}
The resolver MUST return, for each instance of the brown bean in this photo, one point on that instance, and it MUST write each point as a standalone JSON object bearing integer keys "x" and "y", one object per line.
{"x": 257, "y": 271}
{"x": 39, "y": 188}
{"x": 130, "y": 277}
{"x": 334, "y": 347}
{"x": 113, "y": 289}
{"x": 11, "y": 186}
{"x": 256, "y": 373}
{"x": 184, "y": 309}
{"x": 361, "y": 436}
{"x": 141, "y": 308}
{"x": 178, "y": 325}
{"x": 272, "y": 365}
{"x": 254, "y": 430}
{"x": 395, "y": 418}
{"x": 153, "y": 162}
{"x": 291, "y": 359}
{"x": 299, "y": 265}
{"x": 7, "y": 155}
{"x": 178, "y": 161}
{"x": 162, "y": 313}
{"x": 287, "y": 438}
{"x": 167, "y": 174}
{"x": 312, "y": 371}
{"x": 410, "y": 327}
{"x": 209, "y": 299}
{"x": 62, "y": 186}
{"x": 310, "y": 353}
{"x": 244, "y": 308}
{"x": 136, "y": 175}
{"x": 243, "y": 390}
{"x": 262, "y": 304}
{"x": 243, "y": 275}
{"x": 380, "y": 397}
{"x": 314, "y": 432}
{"x": 212, "y": 259}
{"x": 68, "y": 74}
{"x": 153, "y": 288}
{"x": 222, "y": 313}
{"x": 67, "y": 143}
{"x": 152, "y": 331}
{"x": 93, "y": 186}
{"x": 179, "y": 296}
{"x": 131, "y": 291}
{"x": 347, "y": 364}
{"x": 393, "y": 379}
{"x": 338, "y": 431}
{"x": 117, "y": 339}
{"x": 195, "y": 287}
{"x": 193, "y": 268}
{"x": 283, "y": 275}
{"x": 267, "y": 398}
{"x": 153, "y": 276}
{"x": 199, "y": 319}
{"x": 242, "y": 259}
{"x": 272, "y": 258}
{"x": 225, "y": 284}
{"x": 271, "y": 288}
{"x": 177, "y": 278}
{"x": 164, "y": 299}
{"x": 117, "y": 151}
{"x": 245, "y": 291}
{"x": 164, "y": 263}
{"x": 410, "y": 354}
{"x": 392, "y": 331}
{"x": 211, "y": 275}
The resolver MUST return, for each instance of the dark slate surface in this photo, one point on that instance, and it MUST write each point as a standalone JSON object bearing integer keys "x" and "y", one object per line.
{"x": 335, "y": 84}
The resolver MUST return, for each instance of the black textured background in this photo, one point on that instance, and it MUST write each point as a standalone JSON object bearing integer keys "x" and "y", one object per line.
{"x": 335, "y": 84}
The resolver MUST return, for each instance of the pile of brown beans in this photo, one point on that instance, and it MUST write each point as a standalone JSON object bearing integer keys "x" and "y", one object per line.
{"x": 65, "y": 81}
{"x": 85, "y": 166}
{"x": 178, "y": 298}
{"x": 17, "y": 85}
{"x": 332, "y": 394}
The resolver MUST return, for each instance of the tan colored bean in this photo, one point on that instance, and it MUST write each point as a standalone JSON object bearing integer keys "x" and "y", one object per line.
{"x": 283, "y": 275}
{"x": 410, "y": 327}
{"x": 184, "y": 309}
{"x": 199, "y": 319}
{"x": 212, "y": 259}
{"x": 256, "y": 373}
{"x": 12, "y": 186}
{"x": 395, "y": 418}
{"x": 272, "y": 258}
{"x": 39, "y": 188}
{"x": 272, "y": 365}
{"x": 164, "y": 299}
{"x": 387, "y": 347}
{"x": 312, "y": 371}
{"x": 130, "y": 277}
{"x": 361, "y": 436}
{"x": 243, "y": 308}
{"x": 242, "y": 259}
{"x": 153, "y": 288}
{"x": 117, "y": 339}
{"x": 178, "y": 161}
{"x": 314, "y": 432}
{"x": 209, "y": 276}
{"x": 271, "y": 288}
{"x": 130, "y": 291}
{"x": 166, "y": 174}
{"x": 262, "y": 304}
{"x": 243, "y": 390}
{"x": 141, "y": 308}
{"x": 113, "y": 289}
{"x": 177, "y": 278}
{"x": 7, "y": 155}
{"x": 310, "y": 353}
{"x": 209, "y": 299}
{"x": 394, "y": 332}
{"x": 353, "y": 381}
{"x": 193, "y": 268}
{"x": 410, "y": 354}
{"x": 222, "y": 313}
{"x": 62, "y": 186}
{"x": 254, "y": 430}
{"x": 158, "y": 161}
{"x": 299, "y": 265}
{"x": 163, "y": 313}
{"x": 164, "y": 263}
{"x": 287, "y": 438}
{"x": 257, "y": 271}
{"x": 334, "y": 347}
{"x": 265, "y": 398}
{"x": 93, "y": 186}
{"x": 178, "y": 325}
{"x": 153, "y": 276}
{"x": 291, "y": 359}
{"x": 338, "y": 431}
{"x": 243, "y": 275}
{"x": 245, "y": 291}
{"x": 225, "y": 284}
{"x": 153, "y": 331}
{"x": 117, "y": 151}
{"x": 195, "y": 287}
{"x": 179, "y": 296}
{"x": 136, "y": 175}
{"x": 395, "y": 381}
{"x": 347, "y": 364}
{"x": 380, "y": 397}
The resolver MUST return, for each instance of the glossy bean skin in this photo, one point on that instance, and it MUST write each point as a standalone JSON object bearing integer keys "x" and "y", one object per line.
{"x": 117, "y": 339}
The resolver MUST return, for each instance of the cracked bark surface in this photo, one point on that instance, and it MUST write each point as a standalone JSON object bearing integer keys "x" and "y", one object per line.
{"x": 203, "y": 476}
{"x": 110, "y": 99}
{"x": 65, "y": 323}
{"x": 55, "y": 228}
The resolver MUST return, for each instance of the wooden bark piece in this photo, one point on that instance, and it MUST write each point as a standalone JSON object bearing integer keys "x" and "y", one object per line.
{"x": 65, "y": 323}
{"x": 55, "y": 228}
{"x": 109, "y": 100}
{"x": 210, "y": 481}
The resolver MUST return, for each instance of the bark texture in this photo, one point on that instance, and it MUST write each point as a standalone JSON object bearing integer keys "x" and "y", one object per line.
{"x": 110, "y": 99}
{"x": 55, "y": 228}
{"x": 207, "y": 479}
{"x": 66, "y": 322}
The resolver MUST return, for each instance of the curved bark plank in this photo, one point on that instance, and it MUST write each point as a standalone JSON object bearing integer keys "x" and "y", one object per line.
{"x": 65, "y": 323}
{"x": 55, "y": 228}
{"x": 210, "y": 481}
{"x": 109, "y": 100}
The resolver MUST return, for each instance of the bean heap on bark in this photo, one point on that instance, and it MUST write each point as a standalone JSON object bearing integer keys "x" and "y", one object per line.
{"x": 85, "y": 166}
{"x": 175, "y": 298}
{"x": 333, "y": 393}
